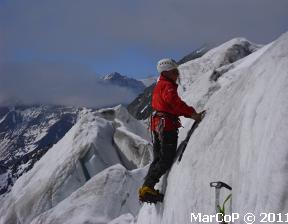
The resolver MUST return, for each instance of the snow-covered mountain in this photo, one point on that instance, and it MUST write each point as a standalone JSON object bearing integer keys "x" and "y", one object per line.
{"x": 107, "y": 138}
{"x": 141, "y": 107}
{"x": 26, "y": 133}
{"x": 150, "y": 80}
{"x": 92, "y": 174}
{"x": 195, "y": 54}
{"x": 117, "y": 79}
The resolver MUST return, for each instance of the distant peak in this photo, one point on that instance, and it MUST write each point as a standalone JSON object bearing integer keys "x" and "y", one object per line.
{"x": 113, "y": 75}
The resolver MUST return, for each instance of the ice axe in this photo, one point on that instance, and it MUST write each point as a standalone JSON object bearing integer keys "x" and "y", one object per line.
{"x": 218, "y": 209}
{"x": 183, "y": 144}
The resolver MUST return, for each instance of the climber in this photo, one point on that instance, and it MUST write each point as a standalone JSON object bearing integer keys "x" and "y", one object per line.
{"x": 167, "y": 107}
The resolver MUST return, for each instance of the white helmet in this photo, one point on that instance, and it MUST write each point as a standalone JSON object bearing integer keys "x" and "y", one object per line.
{"x": 166, "y": 64}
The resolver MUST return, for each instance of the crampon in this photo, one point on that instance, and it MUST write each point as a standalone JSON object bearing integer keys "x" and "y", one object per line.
{"x": 150, "y": 195}
{"x": 149, "y": 198}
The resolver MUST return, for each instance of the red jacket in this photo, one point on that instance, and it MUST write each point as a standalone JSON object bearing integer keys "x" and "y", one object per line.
{"x": 165, "y": 99}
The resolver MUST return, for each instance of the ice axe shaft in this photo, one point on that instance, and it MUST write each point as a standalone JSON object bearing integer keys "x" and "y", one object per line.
{"x": 183, "y": 144}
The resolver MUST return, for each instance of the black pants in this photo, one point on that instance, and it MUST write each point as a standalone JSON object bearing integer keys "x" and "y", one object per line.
{"x": 164, "y": 151}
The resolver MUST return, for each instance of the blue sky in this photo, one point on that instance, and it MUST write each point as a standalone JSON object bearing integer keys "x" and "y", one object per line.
{"x": 130, "y": 36}
{"x": 53, "y": 51}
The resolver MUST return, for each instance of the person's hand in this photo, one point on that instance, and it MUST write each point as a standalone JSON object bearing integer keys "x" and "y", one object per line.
{"x": 198, "y": 116}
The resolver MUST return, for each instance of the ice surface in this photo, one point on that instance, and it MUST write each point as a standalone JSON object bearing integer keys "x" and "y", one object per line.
{"x": 80, "y": 156}
{"x": 242, "y": 140}
{"x": 124, "y": 219}
{"x": 103, "y": 198}
{"x": 139, "y": 156}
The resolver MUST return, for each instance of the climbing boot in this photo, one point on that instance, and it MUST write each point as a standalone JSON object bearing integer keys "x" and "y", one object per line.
{"x": 150, "y": 195}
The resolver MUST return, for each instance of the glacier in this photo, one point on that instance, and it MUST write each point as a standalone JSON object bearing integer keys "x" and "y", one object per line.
{"x": 26, "y": 134}
{"x": 242, "y": 141}
{"x": 85, "y": 160}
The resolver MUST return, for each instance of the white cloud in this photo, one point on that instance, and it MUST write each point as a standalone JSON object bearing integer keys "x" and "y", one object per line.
{"x": 54, "y": 83}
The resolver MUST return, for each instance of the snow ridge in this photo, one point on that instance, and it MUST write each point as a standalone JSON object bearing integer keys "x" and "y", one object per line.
{"x": 82, "y": 167}
{"x": 242, "y": 140}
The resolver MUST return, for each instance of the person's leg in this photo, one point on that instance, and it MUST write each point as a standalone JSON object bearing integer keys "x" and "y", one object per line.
{"x": 167, "y": 155}
{"x": 156, "y": 156}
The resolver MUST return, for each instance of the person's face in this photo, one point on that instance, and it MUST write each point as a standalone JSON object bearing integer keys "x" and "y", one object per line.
{"x": 174, "y": 74}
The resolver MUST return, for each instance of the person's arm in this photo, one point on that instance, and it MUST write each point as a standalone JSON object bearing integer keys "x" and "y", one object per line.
{"x": 170, "y": 96}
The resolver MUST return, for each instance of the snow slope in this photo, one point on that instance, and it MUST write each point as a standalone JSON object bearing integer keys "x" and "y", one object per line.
{"x": 242, "y": 140}
{"x": 26, "y": 134}
{"x": 101, "y": 199}
{"x": 74, "y": 169}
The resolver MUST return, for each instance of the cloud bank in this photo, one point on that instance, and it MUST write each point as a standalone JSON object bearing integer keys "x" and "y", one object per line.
{"x": 57, "y": 84}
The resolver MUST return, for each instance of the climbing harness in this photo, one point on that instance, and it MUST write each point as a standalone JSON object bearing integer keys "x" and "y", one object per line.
{"x": 161, "y": 125}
